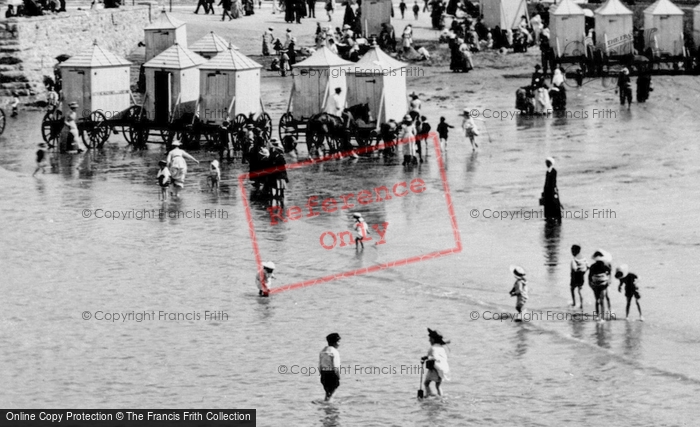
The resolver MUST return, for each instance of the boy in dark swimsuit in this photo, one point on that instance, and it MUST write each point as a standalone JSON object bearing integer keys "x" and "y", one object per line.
{"x": 629, "y": 280}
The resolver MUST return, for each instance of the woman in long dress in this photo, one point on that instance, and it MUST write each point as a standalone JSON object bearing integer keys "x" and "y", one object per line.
{"x": 178, "y": 166}
{"x": 407, "y": 135}
{"x": 436, "y": 362}
{"x": 550, "y": 194}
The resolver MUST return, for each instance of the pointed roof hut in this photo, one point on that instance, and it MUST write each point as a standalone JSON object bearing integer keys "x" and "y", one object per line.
{"x": 210, "y": 45}
{"x": 567, "y": 27}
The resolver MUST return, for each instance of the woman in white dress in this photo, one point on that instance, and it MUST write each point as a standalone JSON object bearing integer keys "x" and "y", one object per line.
{"x": 407, "y": 134}
{"x": 178, "y": 166}
{"x": 436, "y": 362}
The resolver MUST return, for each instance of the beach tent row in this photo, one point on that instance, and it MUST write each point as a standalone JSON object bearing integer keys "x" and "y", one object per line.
{"x": 376, "y": 79}
{"x": 663, "y": 22}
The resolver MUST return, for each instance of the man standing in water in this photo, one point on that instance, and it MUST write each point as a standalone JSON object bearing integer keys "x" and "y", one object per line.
{"x": 329, "y": 365}
{"x": 550, "y": 194}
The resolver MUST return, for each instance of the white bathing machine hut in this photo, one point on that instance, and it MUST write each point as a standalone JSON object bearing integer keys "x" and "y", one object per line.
{"x": 210, "y": 45}
{"x": 172, "y": 84}
{"x": 379, "y": 80}
{"x": 613, "y": 28}
{"x": 96, "y": 79}
{"x": 663, "y": 22}
{"x": 567, "y": 28}
{"x": 162, "y": 33}
{"x": 229, "y": 86}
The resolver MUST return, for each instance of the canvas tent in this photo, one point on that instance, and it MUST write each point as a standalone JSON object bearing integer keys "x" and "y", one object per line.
{"x": 229, "y": 85}
{"x": 315, "y": 79}
{"x": 172, "y": 83}
{"x": 210, "y": 45}
{"x": 613, "y": 28}
{"x": 96, "y": 79}
{"x": 374, "y": 14}
{"x": 379, "y": 80}
{"x": 504, "y": 13}
{"x": 567, "y": 27}
{"x": 162, "y": 33}
{"x": 665, "y": 20}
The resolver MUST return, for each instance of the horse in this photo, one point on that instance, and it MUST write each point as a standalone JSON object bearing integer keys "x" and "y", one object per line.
{"x": 335, "y": 130}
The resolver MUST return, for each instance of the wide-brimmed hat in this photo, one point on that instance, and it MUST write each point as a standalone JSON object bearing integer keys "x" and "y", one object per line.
{"x": 73, "y": 104}
{"x": 215, "y": 163}
{"x": 357, "y": 215}
{"x": 550, "y": 160}
{"x": 162, "y": 163}
{"x": 622, "y": 271}
{"x": 436, "y": 336}
{"x": 269, "y": 265}
{"x": 346, "y": 27}
{"x": 289, "y": 30}
{"x": 407, "y": 118}
{"x": 270, "y": 29}
{"x": 176, "y": 143}
{"x": 264, "y": 152}
{"x": 466, "y": 112}
{"x": 625, "y": 70}
{"x": 517, "y": 270}
{"x": 602, "y": 255}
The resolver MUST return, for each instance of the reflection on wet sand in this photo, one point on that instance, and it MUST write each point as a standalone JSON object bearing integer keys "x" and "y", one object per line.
{"x": 550, "y": 242}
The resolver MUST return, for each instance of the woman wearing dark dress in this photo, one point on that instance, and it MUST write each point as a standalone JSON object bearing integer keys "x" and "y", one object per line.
{"x": 550, "y": 194}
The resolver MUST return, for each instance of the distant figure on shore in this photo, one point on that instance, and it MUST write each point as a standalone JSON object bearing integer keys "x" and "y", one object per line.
{"x": 40, "y": 159}
{"x": 268, "y": 40}
{"x": 15, "y": 105}
{"x": 629, "y": 280}
{"x": 10, "y": 12}
{"x": 402, "y": 8}
{"x": 70, "y": 137}
{"x": 202, "y": 4}
{"x": 416, "y": 9}
{"x": 599, "y": 280}
{"x": 519, "y": 290}
{"x": 579, "y": 267}
{"x": 624, "y": 87}
{"x": 407, "y": 133}
{"x": 163, "y": 178}
{"x": 264, "y": 283}
{"x": 329, "y": 365}
{"x": 177, "y": 164}
{"x": 550, "y": 194}
{"x": 329, "y": 9}
{"x": 436, "y": 363}
{"x": 470, "y": 129}
{"x": 279, "y": 179}
{"x": 443, "y": 129}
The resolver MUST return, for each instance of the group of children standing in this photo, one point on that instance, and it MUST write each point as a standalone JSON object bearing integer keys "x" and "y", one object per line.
{"x": 165, "y": 178}
{"x": 599, "y": 278}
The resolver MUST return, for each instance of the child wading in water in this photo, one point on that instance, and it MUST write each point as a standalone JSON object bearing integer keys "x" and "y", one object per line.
{"x": 579, "y": 266}
{"x": 163, "y": 178}
{"x": 361, "y": 230}
{"x": 631, "y": 289}
{"x": 470, "y": 130}
{"x": 265, "y": 284}
{"x": 214, "y": 175}
{"x": 436, "y": 362}
{"x": 40, "y": 157}
{"x": 329, "y": 365}
{"x": 519, "y": 290}
{"x": 443, "y": 129}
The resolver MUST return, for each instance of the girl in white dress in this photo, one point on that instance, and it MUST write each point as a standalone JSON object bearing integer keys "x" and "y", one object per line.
{"x": 436, "y": 362}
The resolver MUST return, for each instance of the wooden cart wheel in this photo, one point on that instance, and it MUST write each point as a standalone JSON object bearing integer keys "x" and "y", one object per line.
{"x": 2, "y": 121}
{"x": 96, "y": 131}
{"x": 128, "y": 117}
{"x": 288, "y": 126}
{"x": 51, "y": 126}
{"x": 239, "y": 122}
{"x": 138, "y": 134}
{"x": 266, "y": 123}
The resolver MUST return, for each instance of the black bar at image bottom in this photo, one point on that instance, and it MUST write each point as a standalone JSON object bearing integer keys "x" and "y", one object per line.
{"x": 127, "y": 417}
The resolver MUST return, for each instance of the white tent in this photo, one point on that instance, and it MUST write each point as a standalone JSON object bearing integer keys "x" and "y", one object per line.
{"x": 379, "y": 80}
{"x": 696, "y": 26}
{"x": 504, "y": 13}
{"x": 667, "y": 21}
{"x": 567, "y": 28}
{"x": 613, "y": 28}
{"x": 315, "y": 79}
{"x": 230, "y": 85}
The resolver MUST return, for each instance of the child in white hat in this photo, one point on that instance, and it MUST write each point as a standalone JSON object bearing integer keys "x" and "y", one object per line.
{"x": 629, "y": 280}
{"x": 361, "y": 229}
{"x": 214, "y": 175}
{"x": 264, "y": 279}
{"x": 470, "y": 130}
{"x": 519, "y": 289}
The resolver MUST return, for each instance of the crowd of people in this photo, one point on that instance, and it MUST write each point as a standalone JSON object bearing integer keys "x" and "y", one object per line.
{"x": 231, "y": 9}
